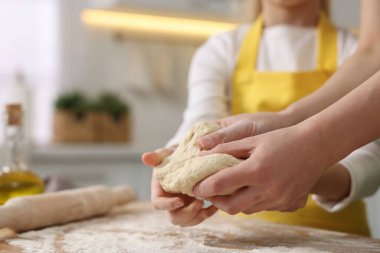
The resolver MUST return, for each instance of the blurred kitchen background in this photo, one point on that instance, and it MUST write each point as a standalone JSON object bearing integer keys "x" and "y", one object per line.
{"x": 54, "y": 47}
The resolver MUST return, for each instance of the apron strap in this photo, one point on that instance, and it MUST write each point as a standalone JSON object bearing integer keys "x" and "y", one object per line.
{"x": 249, "y": 50}
{"x": 327, "y": 43}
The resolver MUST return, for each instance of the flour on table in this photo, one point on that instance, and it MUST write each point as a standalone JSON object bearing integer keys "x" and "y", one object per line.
{"x": 182, "y": 170}
{"x": 139, "y": 231}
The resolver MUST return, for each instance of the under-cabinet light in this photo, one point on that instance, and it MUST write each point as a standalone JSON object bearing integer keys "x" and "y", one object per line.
{"x": 154, "y": 24}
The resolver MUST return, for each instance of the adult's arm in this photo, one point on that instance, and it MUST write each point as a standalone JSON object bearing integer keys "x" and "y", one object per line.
{"x": 358, "y": 68}
{"x": 351, "y": 122}
{"x": 282, "y": 166}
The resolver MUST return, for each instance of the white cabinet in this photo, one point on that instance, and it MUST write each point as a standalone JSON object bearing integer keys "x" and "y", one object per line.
{"x": 85, "y": 165}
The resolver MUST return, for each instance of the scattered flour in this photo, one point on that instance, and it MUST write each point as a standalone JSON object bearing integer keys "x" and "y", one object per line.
{"x": 138, "y": 229}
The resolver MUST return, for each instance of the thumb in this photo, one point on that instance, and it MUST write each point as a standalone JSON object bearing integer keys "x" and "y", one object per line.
{"x": 153, "y": 159}
{"x": 240, "y": 130}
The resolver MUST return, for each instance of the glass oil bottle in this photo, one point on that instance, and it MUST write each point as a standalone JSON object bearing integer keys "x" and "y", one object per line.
{"x": 15, "y": 177}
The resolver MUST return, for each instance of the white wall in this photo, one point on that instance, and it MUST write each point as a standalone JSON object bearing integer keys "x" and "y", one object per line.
{"x": 29, "y": 42}
{"x": 345, "y": 13}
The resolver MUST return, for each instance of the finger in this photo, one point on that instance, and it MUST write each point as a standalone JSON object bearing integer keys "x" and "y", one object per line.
{"x": 186, "y": 214}
{"x": 162, "y": 200}
{"x": 264, "y": 205}
{"x": 272, "y": 205}
{"x": 238, "y": 202}
{"x": 202, "y": 215}
{"x": 267, "y": 205}
{"x": 156, "y": 188}
{"x": 239, "y": 149}
{"x": 227, "y": 121}
{"x": 299, "y": 203}
{"x": 237, "y": 131}
{"x": 153, "y": 159}
{"x": 150, "y": 159}
{"x": 225, "y": 182}
{"x": 167, "y": 204}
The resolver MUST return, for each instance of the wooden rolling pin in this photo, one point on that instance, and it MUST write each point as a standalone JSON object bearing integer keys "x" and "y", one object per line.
{"x": 38, "y": 211}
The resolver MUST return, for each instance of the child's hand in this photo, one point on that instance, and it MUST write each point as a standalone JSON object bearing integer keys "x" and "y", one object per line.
{"x": 183, "y": 210}
{"x": 155, "y": 158}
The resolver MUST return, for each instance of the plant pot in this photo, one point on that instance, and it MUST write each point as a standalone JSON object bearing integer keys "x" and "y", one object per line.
{"x": 72, "y": 127}
{"x": 110, "y": 128}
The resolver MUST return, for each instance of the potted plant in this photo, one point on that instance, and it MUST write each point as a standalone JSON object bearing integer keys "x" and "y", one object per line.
{"x": 112, "y": 118}
{"x": 72, "y": 120}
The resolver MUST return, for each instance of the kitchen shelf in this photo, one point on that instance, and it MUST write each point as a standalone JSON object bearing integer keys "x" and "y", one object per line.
{"x": 77, "y": 153}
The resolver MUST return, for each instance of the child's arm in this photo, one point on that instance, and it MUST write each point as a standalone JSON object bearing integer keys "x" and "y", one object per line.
{"x": 334, "y": 185}
{"x": 209, "y": 73}
{"x": 355, "y": 177}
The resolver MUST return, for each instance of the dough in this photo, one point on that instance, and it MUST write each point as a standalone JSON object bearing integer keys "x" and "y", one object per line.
{"x": 182, "y": 170}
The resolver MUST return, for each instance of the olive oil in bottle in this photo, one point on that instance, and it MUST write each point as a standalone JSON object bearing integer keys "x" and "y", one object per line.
{"x": 15, "y": 177}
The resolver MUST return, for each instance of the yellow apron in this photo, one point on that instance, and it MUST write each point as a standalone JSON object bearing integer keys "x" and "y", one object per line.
{"x": 254, "y": 91}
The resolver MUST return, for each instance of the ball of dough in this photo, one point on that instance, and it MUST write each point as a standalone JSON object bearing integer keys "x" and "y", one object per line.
{"x": 179, "y": 172}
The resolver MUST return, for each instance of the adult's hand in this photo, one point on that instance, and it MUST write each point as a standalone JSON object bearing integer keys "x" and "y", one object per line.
{"x": 280, "y": 169}
{"x": 181, "y": 209}
{"x": 245, "y": 125}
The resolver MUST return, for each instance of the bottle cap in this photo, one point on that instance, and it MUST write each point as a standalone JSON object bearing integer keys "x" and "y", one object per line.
{"x": 14, "y": 113}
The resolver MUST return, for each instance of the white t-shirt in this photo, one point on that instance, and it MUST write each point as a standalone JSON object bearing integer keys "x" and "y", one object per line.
{"x": 282, "y": 48}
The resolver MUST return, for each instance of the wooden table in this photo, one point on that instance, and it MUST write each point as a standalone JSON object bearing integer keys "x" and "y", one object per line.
{"x": 136, "y": 227}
